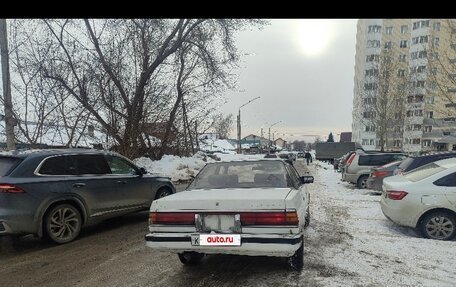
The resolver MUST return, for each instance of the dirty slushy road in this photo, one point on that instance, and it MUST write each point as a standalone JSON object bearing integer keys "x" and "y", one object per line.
{"x": 113, "y": 253}
{"x": 348, "y": 243}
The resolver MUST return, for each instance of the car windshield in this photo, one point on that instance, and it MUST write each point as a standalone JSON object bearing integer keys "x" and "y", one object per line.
{"x": 247, "y": 174}
{"x": 423, "y": 172}
{"x": 7, "y": 164}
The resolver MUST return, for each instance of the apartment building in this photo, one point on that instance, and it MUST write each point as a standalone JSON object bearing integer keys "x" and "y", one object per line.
{"x": 404, "y": 92}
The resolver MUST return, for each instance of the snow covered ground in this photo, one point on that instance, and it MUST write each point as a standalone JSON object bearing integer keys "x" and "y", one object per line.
{"x": 351, "y": 243}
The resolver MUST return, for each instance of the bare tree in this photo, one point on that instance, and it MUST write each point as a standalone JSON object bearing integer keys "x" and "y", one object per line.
{"x": 300, "y": 145}
{"x": 6, "y": 96}
{"x": 382, "y": 92}
{"x": 441, "y": 56}
{"x": 223, "y": 124}
{"x": 128, "y": 73}
{"x": 44, "y": 112}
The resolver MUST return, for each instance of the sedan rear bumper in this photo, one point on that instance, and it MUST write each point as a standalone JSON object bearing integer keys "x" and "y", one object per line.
{"x": 251, "y": 245}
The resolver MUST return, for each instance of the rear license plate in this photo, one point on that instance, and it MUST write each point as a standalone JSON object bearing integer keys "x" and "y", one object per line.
{"x": 220, "y": 223}
{"x": 216, "y": 239}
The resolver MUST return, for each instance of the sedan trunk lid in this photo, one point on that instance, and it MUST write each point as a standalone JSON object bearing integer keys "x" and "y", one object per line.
{"x": 224, "y": 200}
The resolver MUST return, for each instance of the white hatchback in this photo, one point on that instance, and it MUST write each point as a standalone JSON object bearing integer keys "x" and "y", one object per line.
{"x": 424, "y": 198}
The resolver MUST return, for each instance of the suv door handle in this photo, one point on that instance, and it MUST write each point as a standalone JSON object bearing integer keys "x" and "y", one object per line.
{"x": 122, "y": 182}
{"x": 79, "y": 184}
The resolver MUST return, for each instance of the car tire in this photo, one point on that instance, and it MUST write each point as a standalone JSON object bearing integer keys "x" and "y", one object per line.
{"x": 296, "y": 261}
{"x": 438, "y": 225}
{"x": 63, "y": 223}
{"x": 307, "y": 218}
{"x": 362, "y": 182}
{"x": 190, "y": 258}
{"x": 162, "y": 192}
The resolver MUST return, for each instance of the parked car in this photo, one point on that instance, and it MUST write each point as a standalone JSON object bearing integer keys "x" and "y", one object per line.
{"x": 328, "y": 151}
{"x": 255, "y": 208}
{"x": 424, "y": 198}
{"x": 343, "y": 161}
{"x": 288, "y": 155}
{"x": 270, "y": 155}
{"x": 359, "y": 164}
{"x": 420, "y": 160}
{"x": 57, "y": 192}
{"x": 300, "y": 154}
{"x": 337, "y": 162}
{"x": 377, "y": 174}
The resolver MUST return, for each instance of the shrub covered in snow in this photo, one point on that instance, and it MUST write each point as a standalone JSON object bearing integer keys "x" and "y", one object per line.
{"x": 176, "y": 167}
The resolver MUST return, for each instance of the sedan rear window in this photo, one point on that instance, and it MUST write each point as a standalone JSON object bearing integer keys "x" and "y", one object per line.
{"x": 423, "y": 172}
{"x": 7, "y": 164}
{"x": 256, "y": 174}
{"x": 406, "y": 162}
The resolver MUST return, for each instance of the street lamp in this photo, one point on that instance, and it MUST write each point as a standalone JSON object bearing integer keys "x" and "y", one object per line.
{"x": 239, "y": 123}
{"x": 269, "y": 139}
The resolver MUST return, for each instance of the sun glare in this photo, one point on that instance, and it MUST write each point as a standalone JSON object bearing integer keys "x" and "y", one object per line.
{"x": 313, "y": 36}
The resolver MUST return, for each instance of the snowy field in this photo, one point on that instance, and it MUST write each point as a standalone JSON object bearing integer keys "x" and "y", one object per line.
{"x": 349, "y": 241}
{"x": 357, "y": 245}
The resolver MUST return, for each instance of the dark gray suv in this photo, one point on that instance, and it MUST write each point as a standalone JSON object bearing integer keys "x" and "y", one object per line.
{"x": 54, "y": 193}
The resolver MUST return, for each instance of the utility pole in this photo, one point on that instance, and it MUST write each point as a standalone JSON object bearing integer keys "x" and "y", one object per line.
{"x": 239, "y": 130}
{"x": 269, "y": 138}
{"x": 9, "y": 120}
{"x": 239, "y": 123}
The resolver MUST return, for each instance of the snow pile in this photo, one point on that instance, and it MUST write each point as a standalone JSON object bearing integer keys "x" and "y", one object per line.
{"x": 176, "y": 167}
{"x": 183, "y": 168}
{"x": 234, "y": 157}
{"x": 218, "y": 145}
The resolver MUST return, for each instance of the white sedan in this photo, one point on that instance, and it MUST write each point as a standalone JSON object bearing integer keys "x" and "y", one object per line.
{"x": 424, "y": 198}
{"x": 256, "y": 208}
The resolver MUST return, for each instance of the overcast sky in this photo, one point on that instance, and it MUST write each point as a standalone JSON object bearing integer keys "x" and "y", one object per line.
{"x": 303, "y": 71}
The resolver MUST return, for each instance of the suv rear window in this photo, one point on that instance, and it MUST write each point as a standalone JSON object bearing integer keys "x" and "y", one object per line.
{"x": 7, "y": 164}
{"x": 378, "y": 159}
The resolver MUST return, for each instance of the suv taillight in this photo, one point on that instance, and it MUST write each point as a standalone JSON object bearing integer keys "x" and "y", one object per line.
{"x": 350, "y": 159}
{"x": 9, "y": 188}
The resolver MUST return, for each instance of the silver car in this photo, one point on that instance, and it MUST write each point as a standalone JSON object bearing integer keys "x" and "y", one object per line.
{"x": 358, "y": 166}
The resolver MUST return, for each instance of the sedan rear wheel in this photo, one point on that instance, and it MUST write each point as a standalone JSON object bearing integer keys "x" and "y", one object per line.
{"x": 438, "y": 225}
{"x": 63, "y": 223}
{"x": 296, "y": 261}
{"x": 190, "y": 258}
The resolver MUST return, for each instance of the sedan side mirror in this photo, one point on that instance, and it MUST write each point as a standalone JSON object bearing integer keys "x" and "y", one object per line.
{"x": 142, "y": 171}
{"x": 307, "y": 179}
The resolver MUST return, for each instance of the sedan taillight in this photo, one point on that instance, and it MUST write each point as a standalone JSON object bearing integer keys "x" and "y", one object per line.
{"x": 9, "y": 188}
{"x": 396, "y": 194}
{"x": 379, "y": 173}
{"x": 172, "y": 218}
{"x": 269, "y": 218}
